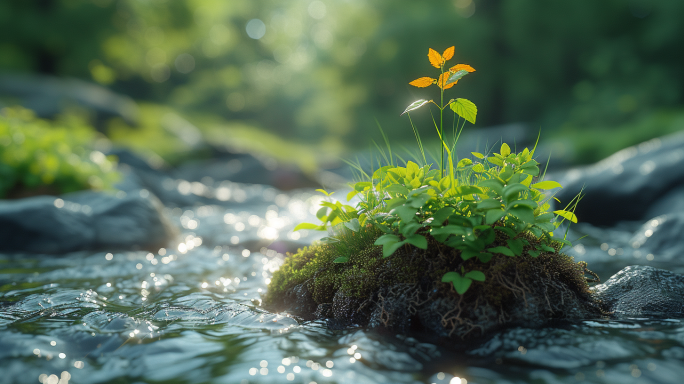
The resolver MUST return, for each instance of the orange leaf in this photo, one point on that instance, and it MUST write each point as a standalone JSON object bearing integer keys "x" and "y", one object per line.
{"x": 423, "y": 82}
{"x": 459, "y": 67}
{"x": 443, "y": 79}
{"x": 448, "y": 53}
{"x": 435, "y": 59}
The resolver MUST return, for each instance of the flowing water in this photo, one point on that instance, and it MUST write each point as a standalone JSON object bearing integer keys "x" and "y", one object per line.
{"x": 192, "y": 314}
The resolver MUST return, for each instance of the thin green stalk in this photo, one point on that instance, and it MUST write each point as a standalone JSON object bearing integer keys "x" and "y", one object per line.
{"x": 441, "y": 126}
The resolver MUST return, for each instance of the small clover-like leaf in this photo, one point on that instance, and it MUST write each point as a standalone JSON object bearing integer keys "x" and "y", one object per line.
{"x": 460, "y": 283}
{"x": 475, "y": 275}
{"x": 465, "y": 108}
{"x": 478, "y": 155}
{"x": 415, "y": 105}
{"x": 341, "y": 259}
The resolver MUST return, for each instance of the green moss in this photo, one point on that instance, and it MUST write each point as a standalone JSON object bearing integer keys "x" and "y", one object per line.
{"x": 367, "y": 271}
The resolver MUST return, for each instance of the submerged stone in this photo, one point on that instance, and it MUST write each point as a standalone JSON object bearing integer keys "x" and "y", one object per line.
{"x": 404, "y": 293}
{"x": 84, "y": 221}
{"x": 643, "y": 291}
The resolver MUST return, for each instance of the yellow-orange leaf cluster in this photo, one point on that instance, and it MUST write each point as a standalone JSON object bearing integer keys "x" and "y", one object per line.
{"x": 438, "y": 61}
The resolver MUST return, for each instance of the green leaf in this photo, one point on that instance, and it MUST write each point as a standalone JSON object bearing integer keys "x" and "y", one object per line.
{"x": 351, "y": 194}
{"x": 341, "y": 259}
{"x": 415, "y": 105}
{"x": 566, "y": 215}
{"x": 397, "y": 189}
{"x": 534, "y": 171}
{"x": 534, "y": 253}
{"x": 502, "y": 250}
{"x": 505, "y": 150}
{"x": 493, "y": 184}
{"x": 511, "y": 191}
{"x": 324, "y": 192}
{"x": 489, "y": 204}
{"x": 306, "y": 226}
{"x": 460, "y": 283}
{"x": 492, "y": 216}
{"x": 548, "y": 184}
{"x": 544, "y": 217}
{"x": 525, "y": 203}
{"x": 450, "y": 230}
{"x": 529, "y": 164}
{"x": 353, "y": 224}
{"x": 418, "y": 241}
{"x": 405, "y": 213}
{"x": 463, "y": 163}
{"x": 516, "y": 245}
{"x": 475, "y": 275}
{"x": 467, "y": 190}
{"x": 478, "y": 168}
{"x": 418, "y": 201}
{"x": 465, "y": 255}
{"x": 478, "y": 155}
{"x": 439, "y": 217}
{"x": 389, "y": 248}
{"x": 456, "y": 77}
{"x": 410, "y": 228}
{"x": 547, "y": 248}
{"x": 386, "y": 239}
{"x": 381, "y": 172}
{"x": 508, "y": 231}
{"x": 484, "y": 257}
{"x": 321, "y": 213}
{"x": 465, "y": 108}
{"x": 523, "y": 213}
{"x": 495, "y": 161}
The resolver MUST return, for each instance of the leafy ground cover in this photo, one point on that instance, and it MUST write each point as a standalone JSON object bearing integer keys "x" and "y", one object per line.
{"x": 41, "y": 157}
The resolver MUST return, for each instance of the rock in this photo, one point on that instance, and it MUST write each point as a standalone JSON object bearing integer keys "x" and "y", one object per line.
{"x": 625, "y": 185}
{"x": 643, "y": 291}
{"x": 47, "y": 96}
{"x": 84, "y": 221}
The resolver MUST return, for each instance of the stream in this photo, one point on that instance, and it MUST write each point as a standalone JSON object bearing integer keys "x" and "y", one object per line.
{"x": 192, "y": 314}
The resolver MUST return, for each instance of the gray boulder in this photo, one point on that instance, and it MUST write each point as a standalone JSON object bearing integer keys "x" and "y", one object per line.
{"x": 625, "y": 185}
{"x": 643, "y": 291}
{"x": 84, "y": 221}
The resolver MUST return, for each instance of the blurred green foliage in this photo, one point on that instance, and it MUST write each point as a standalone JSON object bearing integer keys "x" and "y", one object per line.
{"x": 37, "y": 156}
{"x": 318, "y": 71}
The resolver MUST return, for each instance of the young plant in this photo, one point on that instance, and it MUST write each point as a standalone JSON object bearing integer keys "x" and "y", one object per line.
{"x": 467, "y": 206}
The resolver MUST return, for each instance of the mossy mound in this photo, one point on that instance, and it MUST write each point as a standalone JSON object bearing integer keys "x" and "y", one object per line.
{"x": 403, "y": 292}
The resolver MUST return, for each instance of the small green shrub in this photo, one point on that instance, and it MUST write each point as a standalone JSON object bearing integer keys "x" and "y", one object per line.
{"x": 481, "y": 209}
{"x": 37, "y": 156}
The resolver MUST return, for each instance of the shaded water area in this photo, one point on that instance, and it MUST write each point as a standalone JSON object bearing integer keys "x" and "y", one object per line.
{"x": 190, "y": 313}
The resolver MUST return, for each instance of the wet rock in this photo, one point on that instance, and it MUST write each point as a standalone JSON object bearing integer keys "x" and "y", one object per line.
{"x": 625, "y": 185}
{"x": 643, "y": 291}
{"x": 84, "y": 221}
{"x": 47, "y": 96}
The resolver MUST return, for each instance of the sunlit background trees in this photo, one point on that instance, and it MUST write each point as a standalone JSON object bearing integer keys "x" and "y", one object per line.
{"x": 307, "y": 79}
